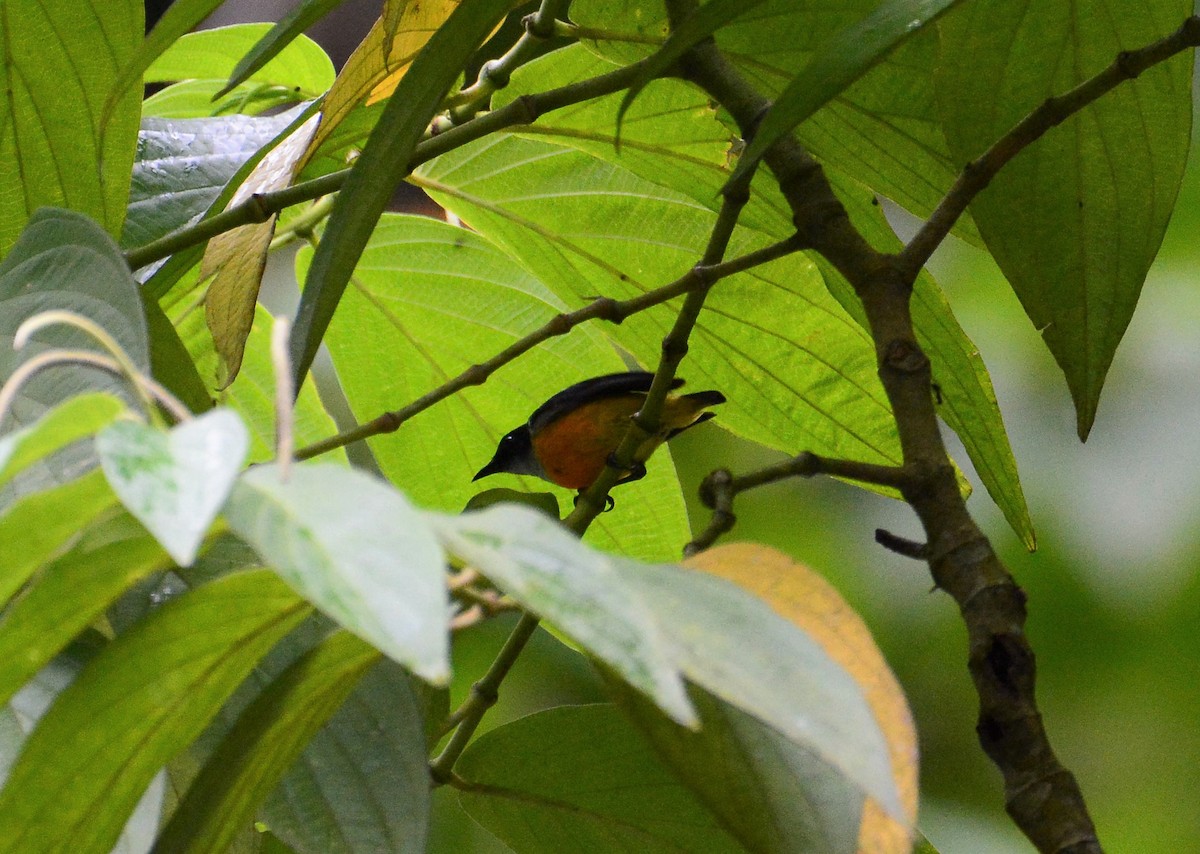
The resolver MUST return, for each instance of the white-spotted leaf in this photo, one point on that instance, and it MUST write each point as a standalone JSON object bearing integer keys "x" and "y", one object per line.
{"x": 175, "y": 482}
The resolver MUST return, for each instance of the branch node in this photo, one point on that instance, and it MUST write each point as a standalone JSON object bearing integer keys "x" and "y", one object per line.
{"x": 902, "y": 545}
{"x": 717, "y": 483}
{"x": 905, "y": 356}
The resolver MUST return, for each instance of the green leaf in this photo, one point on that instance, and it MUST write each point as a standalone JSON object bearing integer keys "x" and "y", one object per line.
{"x": 1075, "y": 220}
{"x": 362, "y": 784}
{"x": 797, "y": 370}
{"x": 63, "y": 260}
{"x": 213, "y": 54}
{"x": 68, "y": 422}
{"x": 445, "y": 298}
{"x": 182, "y": 166}
{"x": 204, "y": 60}
{"x": 170, "y": 362}
{"x": 27, "y": 708}
{"x": 58, "y": 63}
{"x": 180, "y": 17}
{"x": 138, "y": 702}
{"x": 771, "y": 793}
{"x": 281, "y": 37}
{"x": 883, "y": 129}
{"x": 358, "y": 550}
{"x": 383, "y": 163}
{"x": 39, "y": 526}
{"x": 579, "y": 778}
{"x": 267, "y": 738}
{"x": 667, "y": 141}
{"x": 699, "y": 25}
{"x": 836, "y": 64}
{"x": 550, "y": 572}
{"x": 175, "y": 482}
{"x": 64, "y": 599}
{"x": 656, "y": 625}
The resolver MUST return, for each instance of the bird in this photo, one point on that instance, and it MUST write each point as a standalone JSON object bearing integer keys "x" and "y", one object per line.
{"x": 569, "y": 439}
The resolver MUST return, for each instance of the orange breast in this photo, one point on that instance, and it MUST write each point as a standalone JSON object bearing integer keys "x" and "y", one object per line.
{"x": 573, "y": 449}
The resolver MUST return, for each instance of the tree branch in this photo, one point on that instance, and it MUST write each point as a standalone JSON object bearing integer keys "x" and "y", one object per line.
{"x": 1042, "y": 797}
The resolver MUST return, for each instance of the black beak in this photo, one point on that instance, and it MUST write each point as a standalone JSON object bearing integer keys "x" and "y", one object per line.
{"x": 491, "y": 468}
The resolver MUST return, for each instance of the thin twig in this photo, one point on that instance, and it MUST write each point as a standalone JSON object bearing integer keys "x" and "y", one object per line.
{"x": 648, "y": 420}
{"x": 603, "y": 308}
{"x": 1053, "y": 111}
{"x": 262, "y": 206}
{"x": 718, "y": 490}
{"x": 495, "y": 73}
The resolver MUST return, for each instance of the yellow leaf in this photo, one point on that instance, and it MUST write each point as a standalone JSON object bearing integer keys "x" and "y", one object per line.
{"x": 808, "y": 601}
{"x": 374, "y": 69}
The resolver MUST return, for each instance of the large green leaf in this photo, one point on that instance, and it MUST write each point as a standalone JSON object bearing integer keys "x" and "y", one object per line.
{"x": 70, "y": 421}
{"x": 63, "y": 260}
{"x": 358, "y": 550}
{"x": 175, "y": 482}
{"x": 214, "y": 53}
{"x": 142, "y": 699}
{"x": 798, "y": 371}
{"x": 1075, "y": 220}
{"x": 58, "y": 64}
{"x": 579, "y": 778}
{"x": 264, "y": 742}
{"x": 362, "y": 784}
{"x": 182, "y": 166}
{"x": 657, "y": 625}
{"x": 443, "y": 299}
{"x": 883, "y": 129}
{"x": 38, "y": 527}
{"x": 382, "y": 165}
{"x": 774, "y": 795}
{"x": 64, "y": 598}
{"x": 204, "y": 60}
{"x": 18, "y": 718}
{"x": 837, "y": 63}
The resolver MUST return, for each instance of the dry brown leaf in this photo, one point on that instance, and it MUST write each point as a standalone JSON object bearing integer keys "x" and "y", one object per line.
{"x": 811, "y": 603}
{"x": 236, "y": 259}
